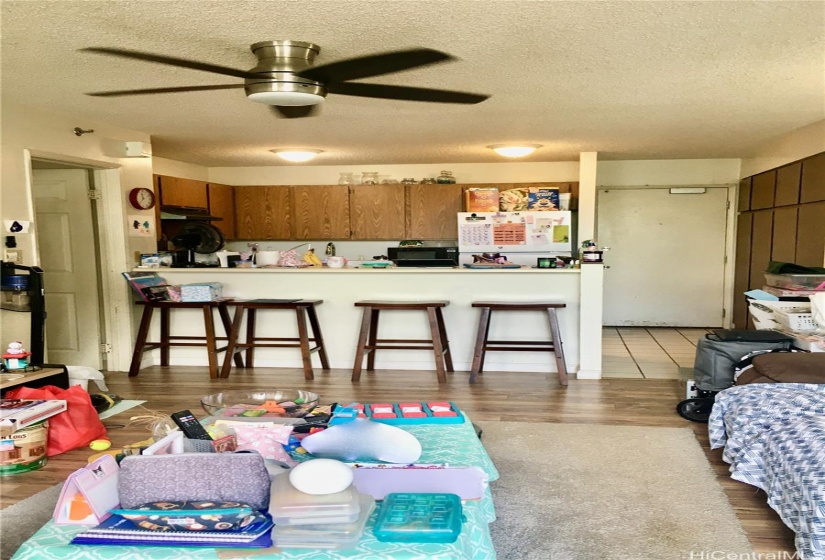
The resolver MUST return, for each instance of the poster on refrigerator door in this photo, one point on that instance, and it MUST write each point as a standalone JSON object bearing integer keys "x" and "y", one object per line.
{"x": 514, "y": 231}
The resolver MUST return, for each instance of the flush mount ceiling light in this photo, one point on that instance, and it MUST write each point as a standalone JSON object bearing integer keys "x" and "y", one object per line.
{"x": 296, "y": 155}
{"x": 514, "y": 151}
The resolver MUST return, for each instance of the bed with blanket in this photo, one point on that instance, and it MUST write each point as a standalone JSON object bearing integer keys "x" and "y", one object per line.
{"x": 773, "y": 435}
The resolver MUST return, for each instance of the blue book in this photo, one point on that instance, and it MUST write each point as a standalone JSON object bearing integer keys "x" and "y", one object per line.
{"x": 117, "y": 530}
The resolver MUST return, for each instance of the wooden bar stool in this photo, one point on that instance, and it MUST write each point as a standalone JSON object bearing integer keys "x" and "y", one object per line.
{"x": 303, "y": 309}
{"x": 168, "y": 340}
{"x": 368, "y": 341}
{"x": 483, "y": 345}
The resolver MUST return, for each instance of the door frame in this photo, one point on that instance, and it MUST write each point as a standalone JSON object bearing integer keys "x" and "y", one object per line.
{"x": 113, "y": 255}
{"x": 730, "y": 237}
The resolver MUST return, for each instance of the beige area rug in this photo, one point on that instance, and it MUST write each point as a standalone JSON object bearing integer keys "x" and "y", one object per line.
{"x": 593, "y": 492}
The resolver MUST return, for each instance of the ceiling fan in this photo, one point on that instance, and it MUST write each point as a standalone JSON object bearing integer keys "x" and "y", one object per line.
{"x": 286, "y": 79}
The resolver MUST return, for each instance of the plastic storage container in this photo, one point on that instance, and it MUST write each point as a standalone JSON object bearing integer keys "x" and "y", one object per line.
{"x": 796, "y": 281}
{"x": 425, "y": 518}
{"x": 328, "y": 535}
{"x": 772, "y": 314}
{"x": 289, "y": 506}
{"x": 796, "y": 319}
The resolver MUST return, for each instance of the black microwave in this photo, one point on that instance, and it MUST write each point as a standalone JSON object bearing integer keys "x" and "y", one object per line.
{"x": 423, "y": 256}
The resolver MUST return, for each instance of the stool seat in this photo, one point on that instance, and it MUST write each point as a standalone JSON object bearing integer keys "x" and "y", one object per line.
{"x": 304, "y": 309}
{"x": 484, "y": 345}
{"x": 368, "y": 341}
{"x": 167, "y": 340}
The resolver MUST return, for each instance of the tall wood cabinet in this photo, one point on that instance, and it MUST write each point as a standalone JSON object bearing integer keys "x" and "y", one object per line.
{"x": 321, "y": 212}
{"x": 222, "y": 205}
{"x": 176, "y": 191}
{"x": 263, "y": 213}
{"x": 781, "y": 218}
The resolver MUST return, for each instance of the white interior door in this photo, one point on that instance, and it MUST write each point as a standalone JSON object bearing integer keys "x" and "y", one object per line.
{"x": 66, "y": 242}
{"x": 666, "y": 259}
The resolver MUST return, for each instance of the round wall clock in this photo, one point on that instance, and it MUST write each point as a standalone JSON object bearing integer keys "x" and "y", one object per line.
{"x": 142, "y": 198}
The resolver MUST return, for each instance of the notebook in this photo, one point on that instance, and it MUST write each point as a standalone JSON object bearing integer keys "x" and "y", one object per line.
{"x": 117, "y": 530}
{"x": 751, "y": 336}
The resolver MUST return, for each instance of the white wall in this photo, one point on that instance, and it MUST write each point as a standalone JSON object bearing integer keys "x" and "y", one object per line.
{"x": 637, "y": 173}
{"x": 508, "y": 172}
{"x": 173, "y": 168}
{"x": 51, "y": 136}
{"x": 801, "y": 143}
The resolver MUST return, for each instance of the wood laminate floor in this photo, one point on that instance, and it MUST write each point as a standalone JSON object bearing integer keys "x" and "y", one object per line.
{"x": 646, "y": 400}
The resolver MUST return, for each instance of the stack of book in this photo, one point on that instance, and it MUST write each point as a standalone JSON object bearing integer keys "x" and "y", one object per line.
{"x": 117, "y": 530}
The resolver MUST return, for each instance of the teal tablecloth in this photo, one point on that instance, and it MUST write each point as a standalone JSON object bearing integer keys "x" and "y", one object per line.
{"x": 452, "y": 444}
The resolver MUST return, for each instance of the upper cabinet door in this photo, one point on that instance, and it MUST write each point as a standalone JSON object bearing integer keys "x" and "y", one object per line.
{"x": 320, "y": 212}
{"x": 763, "y": 188}
{"x": 433, "y": 211}
{"x": 813, "y": 178}
{"x": 222, "y": 205}
{"x": 175, "y": 191}
{"x": 263, "y": 213}
{"x": 377, "y": 211}
{"x": 787, "y": 184}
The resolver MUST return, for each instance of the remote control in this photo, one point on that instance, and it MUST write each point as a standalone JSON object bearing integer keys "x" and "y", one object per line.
{"x": 190, "y": 426}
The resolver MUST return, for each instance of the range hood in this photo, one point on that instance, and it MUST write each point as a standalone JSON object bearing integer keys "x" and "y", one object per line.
{"x": 186, "y": 213}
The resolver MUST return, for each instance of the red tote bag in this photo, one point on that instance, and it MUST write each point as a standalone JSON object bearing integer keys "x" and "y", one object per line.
{"x": 75, "y": 427}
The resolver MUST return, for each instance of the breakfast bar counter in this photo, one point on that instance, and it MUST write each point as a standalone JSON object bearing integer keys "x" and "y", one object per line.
{"x": 580, "y": 320}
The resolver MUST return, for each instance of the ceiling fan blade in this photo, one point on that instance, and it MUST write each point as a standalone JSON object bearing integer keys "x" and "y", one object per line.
{"x": 406, "y": 93}
{"x": 161, "y": 90}
{"x": 171, "y": 61}
{"x": 374, "y": 65}
{"x": 295, "y": 111}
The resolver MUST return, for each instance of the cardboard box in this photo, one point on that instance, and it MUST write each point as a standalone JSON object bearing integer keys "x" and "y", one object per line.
{"x": 482, "y": 199}
{"x": 206, "y": 291}
{"x": 539, "y": 199}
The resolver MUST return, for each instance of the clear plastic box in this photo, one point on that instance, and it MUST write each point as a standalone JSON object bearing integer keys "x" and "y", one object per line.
{"x": 766, "y": 314}
{"x": 796, "y": 281}
{"x": 422, "y": 518}
{"x": 289, "y": 506}
{"x": 329, "y": 535}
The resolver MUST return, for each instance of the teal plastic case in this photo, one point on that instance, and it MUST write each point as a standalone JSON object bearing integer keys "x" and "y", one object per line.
{"x": 346, "y": 413}
{"x": 421, "y": 518}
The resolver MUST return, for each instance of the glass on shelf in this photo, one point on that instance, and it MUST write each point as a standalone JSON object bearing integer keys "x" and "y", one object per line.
{"x": 408, "y": 181}
{"x": 446, "y": 178}
{"x": 346, "y": 179}
{"x": 369, "y": 178}
{"x": 428, "y": 181}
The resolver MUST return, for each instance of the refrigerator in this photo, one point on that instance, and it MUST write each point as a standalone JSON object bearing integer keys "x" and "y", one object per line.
{"x": 522, "y": 237}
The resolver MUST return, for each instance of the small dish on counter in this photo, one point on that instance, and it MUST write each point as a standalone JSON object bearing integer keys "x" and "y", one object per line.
{"x": 376, "y": 264}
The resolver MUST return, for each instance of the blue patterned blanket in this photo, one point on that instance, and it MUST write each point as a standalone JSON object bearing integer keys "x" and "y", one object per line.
{"x": 774, "y": 438}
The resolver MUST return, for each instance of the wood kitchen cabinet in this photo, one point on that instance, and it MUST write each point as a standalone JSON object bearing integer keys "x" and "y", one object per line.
{"x": 763, "y": 188}
{"x": 176, "y": 191}
{"x": 432, "y": 211}
{"x": 810, "y": 235}
{"x": 377, "y": 211}
{"x": 788, "y": 179}
{"x": 744, "y": 195}
{"x": 742, "y": 269}
{"x": 263, "y": 213}
{"x": 222, "y": 205}
{"x": 320, "y": 212}
{"x": 813, "y": 178}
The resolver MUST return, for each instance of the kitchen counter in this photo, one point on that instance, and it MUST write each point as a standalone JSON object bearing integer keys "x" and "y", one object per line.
{"x": 340, "y": 288}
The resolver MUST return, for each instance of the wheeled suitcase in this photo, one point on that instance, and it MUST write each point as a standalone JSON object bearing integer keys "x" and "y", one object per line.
{"x": 716, "y": 354}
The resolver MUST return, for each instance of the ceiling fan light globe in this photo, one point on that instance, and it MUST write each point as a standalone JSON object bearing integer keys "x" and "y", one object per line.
{"x": 286, "y": 98}
{"x": 514, "y": 151}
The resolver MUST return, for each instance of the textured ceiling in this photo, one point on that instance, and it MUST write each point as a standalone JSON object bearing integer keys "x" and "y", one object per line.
{"x": 629, "y": 79}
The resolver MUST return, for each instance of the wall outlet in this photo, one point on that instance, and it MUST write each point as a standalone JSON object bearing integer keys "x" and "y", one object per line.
{"x": 13, "y": 255}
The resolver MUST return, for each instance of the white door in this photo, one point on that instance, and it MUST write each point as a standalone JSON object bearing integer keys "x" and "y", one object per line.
{"x": 666, "y": 259}
{"x": 66, "y": 242}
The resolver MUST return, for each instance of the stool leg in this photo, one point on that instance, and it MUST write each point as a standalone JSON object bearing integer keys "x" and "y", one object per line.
{"x": 362, "y": 341}
{"x": 140, "y": 342}
{"x": 481, "y": 343}
{"x": 558, "y": 349}
{"x": 223, "y": 311}
{"x": 445, "y": 342}
{"x": 251, "y": 313}
{"x": 164, "y": 336}
{"x": 211, "y": 345}
{"x": 438, "y": 350}
{"x": 232, "y": 343}
{"x": 319, "y": 338}
{"x": 303, "y": 338}
{"x": 373, "y": 339}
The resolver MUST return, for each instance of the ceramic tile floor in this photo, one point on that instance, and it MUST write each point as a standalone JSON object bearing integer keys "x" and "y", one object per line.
{"x": 648, "y": 353}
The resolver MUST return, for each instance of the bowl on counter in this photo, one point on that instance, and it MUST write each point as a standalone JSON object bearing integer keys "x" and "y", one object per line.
{"x": 286, "y": 403}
